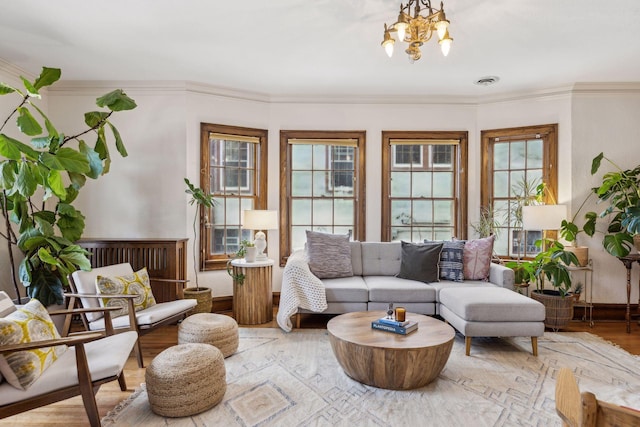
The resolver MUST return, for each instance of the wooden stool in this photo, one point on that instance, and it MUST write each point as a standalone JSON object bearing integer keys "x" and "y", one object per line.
{"x": 216, "y": 329}
{"x": 185, "y": 380}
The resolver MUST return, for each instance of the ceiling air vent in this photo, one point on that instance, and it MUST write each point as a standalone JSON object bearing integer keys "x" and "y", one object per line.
{"x": 487, "y": 81}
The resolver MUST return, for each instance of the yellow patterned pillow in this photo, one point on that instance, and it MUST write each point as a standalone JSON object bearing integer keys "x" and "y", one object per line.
{"x": 132, "y": 284}
{"x": 28, "y": 323}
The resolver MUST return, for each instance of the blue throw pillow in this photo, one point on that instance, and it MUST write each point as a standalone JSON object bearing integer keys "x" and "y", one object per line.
{"x": 451, "y": 260}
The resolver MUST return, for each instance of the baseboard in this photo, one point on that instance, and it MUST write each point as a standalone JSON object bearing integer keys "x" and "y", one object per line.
{"x": 610, "y": 312}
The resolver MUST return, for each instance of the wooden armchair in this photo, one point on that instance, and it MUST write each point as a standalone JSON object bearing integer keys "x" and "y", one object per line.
{"x": 584, "y": 410}
{"x": 83, "y": 285}
{"x": 96, "y": 358}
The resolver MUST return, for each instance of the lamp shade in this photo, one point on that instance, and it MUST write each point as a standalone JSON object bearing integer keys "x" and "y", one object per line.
{"x": 543, "y": 217}
{"x": 260, "y": 220}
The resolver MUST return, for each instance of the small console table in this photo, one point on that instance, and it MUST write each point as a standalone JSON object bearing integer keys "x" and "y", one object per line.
{"x": 587, "y": 291}
{"x": 628, "y": 263}
{"x": 253, "y": 299}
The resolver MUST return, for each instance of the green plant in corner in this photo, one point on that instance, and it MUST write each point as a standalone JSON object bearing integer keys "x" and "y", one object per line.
{"x": 40, "y": 179}
{"x": 201, "y": 199}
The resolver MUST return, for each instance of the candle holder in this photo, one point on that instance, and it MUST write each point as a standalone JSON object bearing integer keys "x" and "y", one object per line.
{"x": 390, "y": 311}
{"x": 401, "y": 314}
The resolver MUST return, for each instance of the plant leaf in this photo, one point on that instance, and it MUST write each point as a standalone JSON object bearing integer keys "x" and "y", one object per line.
{"x": 95, "y": 163}
{"x": 47, "y": 77}
{"x": 595, "y": 163}
{"x": 93, "y": 118}
{"x": 31, "y": 90}
{"x": 47, "y": 123}
{"x": 11, "y": 148}
{"x": 25, "y": 183}
{"x": 54, "y": 182}
{"x": 66, "y": 159}
{"x": 5, "y": 89}
{"x": 7, "y": 174}
{"x": 618, "y": 244}
{"x": 119, "y": 143}
{"x": 27, "y": 123}
{"x": 71, "y": 222}
{"x": 116, "y": 100}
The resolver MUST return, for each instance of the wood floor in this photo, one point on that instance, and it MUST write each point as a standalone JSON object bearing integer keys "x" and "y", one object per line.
{"x": 70, "y": 413}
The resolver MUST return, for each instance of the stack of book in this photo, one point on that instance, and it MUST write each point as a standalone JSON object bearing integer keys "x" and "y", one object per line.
{"x": 391, "y": 325}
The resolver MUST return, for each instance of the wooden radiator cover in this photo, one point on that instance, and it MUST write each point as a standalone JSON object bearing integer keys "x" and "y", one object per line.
{"x": 164, "y": 259}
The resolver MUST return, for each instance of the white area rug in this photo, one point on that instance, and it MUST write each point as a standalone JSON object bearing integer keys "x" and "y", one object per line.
{"x": 293, "y": 379}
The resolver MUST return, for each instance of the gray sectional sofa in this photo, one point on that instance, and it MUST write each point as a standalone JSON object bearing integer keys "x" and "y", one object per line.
{"x": 495, "y": 312}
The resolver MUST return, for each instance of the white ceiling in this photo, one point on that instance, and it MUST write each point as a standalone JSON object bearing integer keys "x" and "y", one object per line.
{"x": 289, "y": 48}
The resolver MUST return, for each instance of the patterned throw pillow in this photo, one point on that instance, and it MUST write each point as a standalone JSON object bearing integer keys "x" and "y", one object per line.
{"x": 329, "y": 255}
{"x": 477, "y": 258}
{"x": 420, "y": 262}
{"x": 132, "y": 284}
{"x": 28, "y": 323}
{"x": 451, "y": 260}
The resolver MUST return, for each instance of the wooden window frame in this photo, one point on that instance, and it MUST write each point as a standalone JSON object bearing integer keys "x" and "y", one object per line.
{"x": 285, "y": 182}
{"x": 208, "y": 260}
{"x": 460, "y": 178}
{"x": 549, "y": 135}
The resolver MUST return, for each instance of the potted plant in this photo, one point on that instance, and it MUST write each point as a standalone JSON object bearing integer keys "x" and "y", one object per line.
{"x": 621, "y": 190}
{"x": 550, "y": 264}
{"x": 200, "y": 294}
{"x": 570, "y": 231}
{"x": 242, "y": 252}
{"x": 40, "y": 179}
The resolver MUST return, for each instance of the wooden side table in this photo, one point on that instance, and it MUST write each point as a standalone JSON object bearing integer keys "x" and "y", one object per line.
{"x": 253, "y": 299}
{"x": 628, "y": 263}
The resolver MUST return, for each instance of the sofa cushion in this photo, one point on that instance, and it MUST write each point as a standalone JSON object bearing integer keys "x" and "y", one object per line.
{"x": 395, "y": 290}
{"x": 420, "y": 262}
{"x": 131, "y": 284}
{"x": 451, "y": 260}
{"x": 491, "y": 305}
{"x": 28, "y": 323}
{"x": 329, "y": 255}
{"x": 380, "y": 258}
{"x": 346, "y": 289}
{"x": 446, "y": 284}
{"x": 477, "y": 258}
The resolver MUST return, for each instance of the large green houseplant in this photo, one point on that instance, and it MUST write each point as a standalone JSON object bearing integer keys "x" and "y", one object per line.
{"x": 550, "y": 265}
{"x": 40, "y": 178}
{"x": 620, "y": 190}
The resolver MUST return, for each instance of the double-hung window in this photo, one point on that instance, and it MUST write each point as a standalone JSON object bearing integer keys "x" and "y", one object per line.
{"x": 423, "y": 185}
{"x": 322, "y": 173}
{"x": 514, "y": 162}
{"x": 233, "y": 169}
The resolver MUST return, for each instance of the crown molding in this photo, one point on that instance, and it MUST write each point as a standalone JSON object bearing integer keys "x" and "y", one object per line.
{"x": 91, "y": 87}
{"x": 7, "y": 67}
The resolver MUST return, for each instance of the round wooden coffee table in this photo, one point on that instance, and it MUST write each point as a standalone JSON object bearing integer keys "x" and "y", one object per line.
{"x": 387, "y": 360}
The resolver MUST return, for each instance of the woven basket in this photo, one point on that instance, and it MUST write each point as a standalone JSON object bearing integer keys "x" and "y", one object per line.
{"x": 202, "y": 296}
{"x": 559, "y": 311}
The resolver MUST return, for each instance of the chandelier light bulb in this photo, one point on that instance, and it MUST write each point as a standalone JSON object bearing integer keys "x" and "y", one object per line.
{"x": 445, "y": 44}
{"x": 388, "y": 47}
{"x": 441, "y": 27}
{"x": 401, "y": 28}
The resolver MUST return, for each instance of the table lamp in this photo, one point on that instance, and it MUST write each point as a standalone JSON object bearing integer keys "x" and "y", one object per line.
{"x": 543, "y": 217}
{"x": 260, "y": 220}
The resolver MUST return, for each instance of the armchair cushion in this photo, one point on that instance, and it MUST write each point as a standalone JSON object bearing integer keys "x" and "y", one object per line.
{"x": 28, "y": 323}
{"x": 106, "y": 357}
{"x": 131, "y": 284}
{"x": 148, "y": 316}
{"x": 85, "y": 282}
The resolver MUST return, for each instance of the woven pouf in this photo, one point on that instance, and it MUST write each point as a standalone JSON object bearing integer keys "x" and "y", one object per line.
{"x": 185, "y": 380}
{"x": 216, "y": 329}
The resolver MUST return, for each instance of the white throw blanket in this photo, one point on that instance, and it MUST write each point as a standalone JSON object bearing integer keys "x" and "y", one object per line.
{"x": 300, "y": 288}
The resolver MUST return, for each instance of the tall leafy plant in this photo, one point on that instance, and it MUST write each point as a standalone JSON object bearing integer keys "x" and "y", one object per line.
{"x": 41, "y": 177}
{"x": 200, "y": 198}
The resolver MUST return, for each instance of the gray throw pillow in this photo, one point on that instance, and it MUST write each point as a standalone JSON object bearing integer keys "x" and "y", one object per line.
{"x": 451, "y": 260}
{"x": 329, "y": 255}
{"x": 420, "y": 262}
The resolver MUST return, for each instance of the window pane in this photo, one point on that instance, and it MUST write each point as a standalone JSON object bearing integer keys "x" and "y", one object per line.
{"x": 343, "y": 211}
{"x": 401, "y": 233}
{"x": 443, "y": 233}
{"x": 301, "y": 157}
{"x": 218, "y": 211}
{"x": 443, "y": 212}
{"x": 298, "y": 237}
{"x": 422, "y": 212}
{"x": 500, "y": 156}
{"x": 442, "y": 184}
{"x": 518, "y": 155}
{"x": 321, "y": 184}
{"x": 344, "y": 230}
{"x": 517, "y": 183}
{"x": 421, "y": 233}
{"x": 400, "y": 184}
{"x": 232, "y": 211}
{"x": 301, "y": 184}
{"x": 400, "y": 212}
{"x": 534, "y": 154}
{"x": 320, "y": 160}
{"x": 421, "y": 184}
{"x": 501, "y": 243}
{"x": 501, "y": 184}
{"x": 301, "y": 211}
{"x": 322, "y": 212}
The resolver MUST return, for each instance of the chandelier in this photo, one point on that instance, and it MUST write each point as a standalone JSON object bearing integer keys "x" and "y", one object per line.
{"x": 417, "y": 28}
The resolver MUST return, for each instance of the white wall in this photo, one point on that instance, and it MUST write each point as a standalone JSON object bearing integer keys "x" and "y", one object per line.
{"x": 143, "y": 195}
